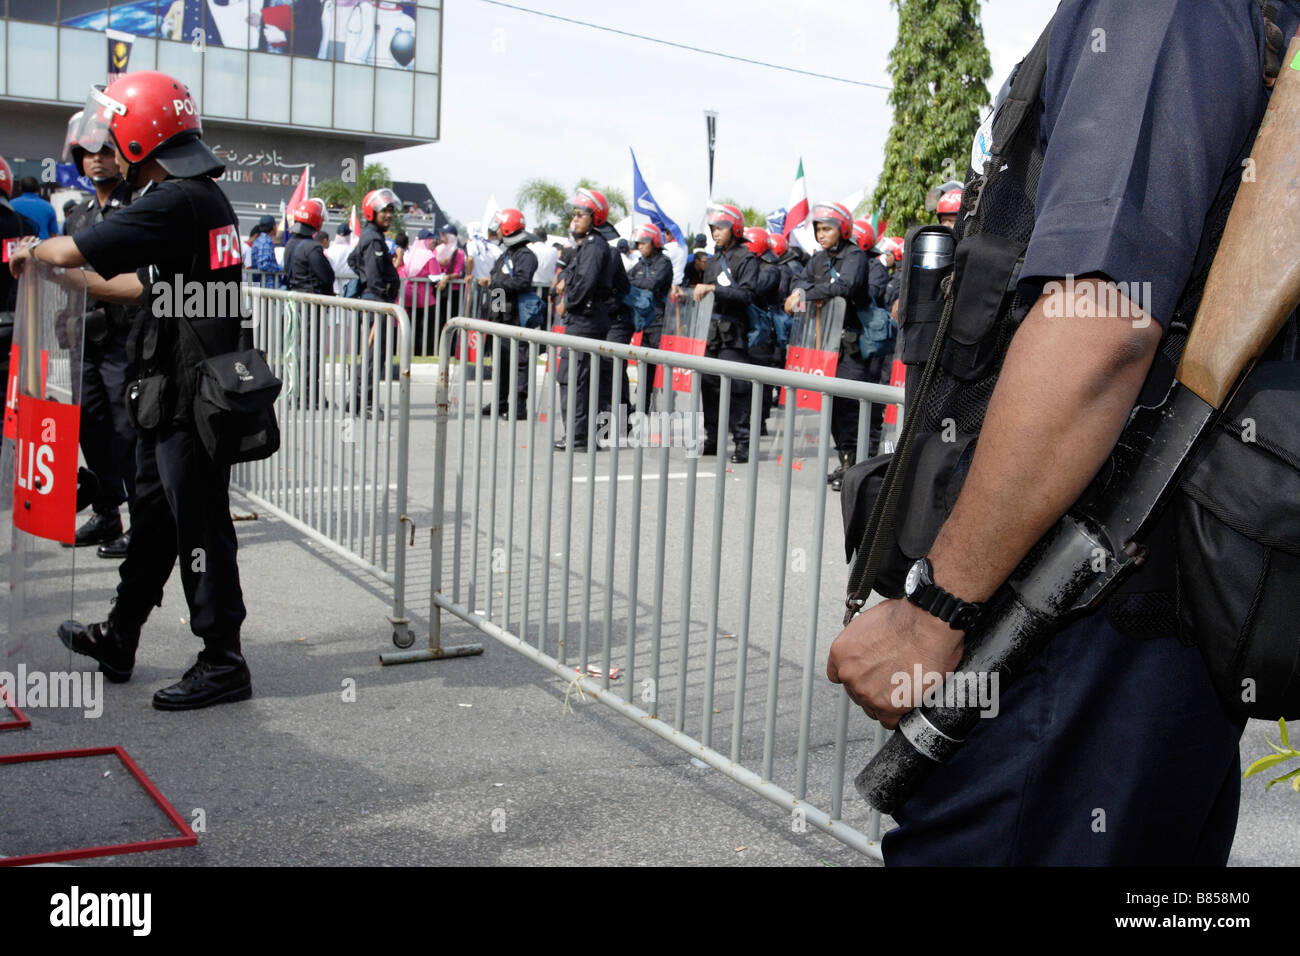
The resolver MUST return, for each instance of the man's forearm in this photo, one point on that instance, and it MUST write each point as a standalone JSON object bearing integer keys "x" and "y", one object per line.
{"x": 1065, "y": 392}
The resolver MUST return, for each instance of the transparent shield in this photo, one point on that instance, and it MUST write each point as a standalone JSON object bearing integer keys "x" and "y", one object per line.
{"x": 814, "y": 349}
{"x": 39, "y": 469}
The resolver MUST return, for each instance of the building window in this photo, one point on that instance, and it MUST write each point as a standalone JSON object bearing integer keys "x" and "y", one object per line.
{"x": 426, "y": 105}
{"x": 268, "y": 87}
{"x": 29, "y": 61}
{"x": 81, "y": 63}
{"x": 393, "y": 93}
{"x": 312, "y": 93}
{"x": 354, "y": 97}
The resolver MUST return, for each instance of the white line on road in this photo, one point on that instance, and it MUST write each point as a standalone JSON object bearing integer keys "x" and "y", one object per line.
{"x": 582, "y": 479}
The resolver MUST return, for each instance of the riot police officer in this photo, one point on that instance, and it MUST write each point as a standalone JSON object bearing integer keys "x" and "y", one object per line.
{"x": 306, "y": 266}
{"x": 653, "y": 271}
{"x": 180, "y": 228}
{"x": 732, "y": 276}
{"x": 773, "y": 287}
{"x": 587, "y": 285}
{"x": 107, "y": 438}
{"x": 377, "y": 280}
{"x": 511, "y": 276}
{"x": 840, "y": 269}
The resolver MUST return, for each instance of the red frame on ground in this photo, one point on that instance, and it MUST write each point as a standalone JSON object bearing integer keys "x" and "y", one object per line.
{"x": 187, "y": 837}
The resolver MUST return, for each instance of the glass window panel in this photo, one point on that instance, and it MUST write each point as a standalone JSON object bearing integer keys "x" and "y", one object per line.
{"x": 225, "y": 82}
{"x": 436, "y": 4}
{"x": 144, "y": 54}
{"x": 268, "y": 87}
{"x": 140, "y": 17}
{"x": 352, "y": 35}
{"x": 354, "y": 96}
{"x": 426, "y": 105}
{"x": 429, "y": 40}
{"x": 29, "y": 61}
{"x": 393, "y": 92}
{"x": 185, "y": 64}
{"x": 312, "y": 92}
{"x": 395, "y": 36}
{"x": 81, "y": 14}
{"x": 3, "y": 46}
{"x": 83, "y": 60}
{"x": 36, "y": 11}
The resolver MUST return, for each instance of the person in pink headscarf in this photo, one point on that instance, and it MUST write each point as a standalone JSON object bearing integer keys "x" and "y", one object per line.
{"x": 420, "y": 262}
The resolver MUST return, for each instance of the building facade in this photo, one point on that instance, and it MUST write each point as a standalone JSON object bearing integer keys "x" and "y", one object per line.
{"x": 280, "y": 83}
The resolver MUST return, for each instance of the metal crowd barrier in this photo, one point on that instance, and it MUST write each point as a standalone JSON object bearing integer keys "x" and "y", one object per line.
{"x": 520, "y": 555}
{"x": 340, "y": 476}
{"x": 430, "y": 307}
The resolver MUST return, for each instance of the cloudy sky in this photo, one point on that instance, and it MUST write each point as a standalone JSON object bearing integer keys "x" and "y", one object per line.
{"x": 525, "y": 96}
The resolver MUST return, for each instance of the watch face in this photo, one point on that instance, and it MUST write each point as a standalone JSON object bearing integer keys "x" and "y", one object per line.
{"x": 913, "y": 579}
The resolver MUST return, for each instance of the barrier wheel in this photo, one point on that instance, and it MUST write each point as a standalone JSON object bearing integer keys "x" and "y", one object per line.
{"x": 403, "y": 639}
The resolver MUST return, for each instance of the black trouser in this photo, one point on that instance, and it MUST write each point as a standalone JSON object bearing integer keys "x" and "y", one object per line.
{"x": 182, "y": 508}
{"x": 729, "y": 348}
{"x": 766, "y": 355}
{"x": 645, "y": 374}
{"x": 621, "y": 330}
{"x": 844, "y": 411}
{"x": 502, "y": 374}
{"x": 107, "y": 438}
{"x": 592, "y": 327}
{"x": 363, "y": 347}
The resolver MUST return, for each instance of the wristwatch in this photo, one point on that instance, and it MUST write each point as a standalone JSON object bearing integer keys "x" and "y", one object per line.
{"x": 924, "y": 593}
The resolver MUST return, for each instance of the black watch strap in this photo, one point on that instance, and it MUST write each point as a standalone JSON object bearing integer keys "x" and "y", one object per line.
{"x": 928, "y": 596}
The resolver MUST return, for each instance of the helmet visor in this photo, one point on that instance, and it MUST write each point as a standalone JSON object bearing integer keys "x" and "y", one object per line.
{"x": 383, "y": 199}
{"x": 92, "y": 133}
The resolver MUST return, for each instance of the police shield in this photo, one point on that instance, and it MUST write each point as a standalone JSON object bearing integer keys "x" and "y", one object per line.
{"x": 814, "y": 349}
{"x": 685, "y": 330}
{"x": 38, "y": 469}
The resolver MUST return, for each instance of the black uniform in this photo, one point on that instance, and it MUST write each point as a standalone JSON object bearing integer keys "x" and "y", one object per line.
{"x": 850, "y": 280}
{"x": 378, "y": 281}
{"x": 107, "y": 437}
{"x": 655, "y": 275}
{"x": 177, "y": 228}
{"x": 306, "y": 267}
{"x": 512, "y": 274}
{"x": 773, "y": 287}
{"x": 734, "y": 275}
{"x": 588, "y": 285}
{"x": 621, "y": 324}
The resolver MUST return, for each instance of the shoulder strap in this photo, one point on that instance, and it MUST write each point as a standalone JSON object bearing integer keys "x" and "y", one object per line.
{"x": 1026, "y": 89}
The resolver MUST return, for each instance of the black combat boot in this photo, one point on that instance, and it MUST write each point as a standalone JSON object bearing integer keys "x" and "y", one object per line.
{"x": 847, "y": 460}
{"x": 220, "y": 676}
{"x": 112, "y": 643}
{"x": 100, "y": 529}
{"x": 117, "y": 548}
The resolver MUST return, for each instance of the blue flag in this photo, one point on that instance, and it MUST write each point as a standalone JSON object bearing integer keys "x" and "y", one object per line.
{"x": 776, "y": 220}
{"x": 645, "y": 204}
{"x": 67, "y": 176}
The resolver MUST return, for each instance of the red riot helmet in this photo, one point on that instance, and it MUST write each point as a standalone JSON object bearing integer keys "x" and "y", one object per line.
{"x": 949, "y": 203}
{"x": 6, "y": 179}
{"x": 594, "y": 202}
{"x": 147, "y": 115}
{"x": 864, "y": 234}
{"x": 756, "y": 240}
{"x": 778, "y": 244}
{"x": 310, "y": 212}
{"x": 836, "y": 213}
{"x": 725, "y": 214}
{"x": 507, "y": 222}
{"x": 376, "y": 200}
{"x": 649, "y": 233}
{"x": 938, "y": 192}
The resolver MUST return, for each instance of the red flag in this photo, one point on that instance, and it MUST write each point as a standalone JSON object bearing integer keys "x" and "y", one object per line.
{"x": 797, "y": 207}
{"x": 299, "y": 194}
{"x": 355, "y": 225}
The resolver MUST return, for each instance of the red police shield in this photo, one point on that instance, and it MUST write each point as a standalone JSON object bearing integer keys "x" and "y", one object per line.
{"x": 45, "y": 469}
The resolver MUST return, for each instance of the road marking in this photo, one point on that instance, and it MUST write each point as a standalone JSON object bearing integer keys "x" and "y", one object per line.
{"x": 672, "y": 475}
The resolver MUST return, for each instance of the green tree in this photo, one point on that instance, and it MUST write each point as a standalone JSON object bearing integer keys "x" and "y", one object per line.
{"x": 939, "y": 67}
{"x": 344, "y": 195}
{"x": 752, "y": 216}
{"x": 549, "y": 200}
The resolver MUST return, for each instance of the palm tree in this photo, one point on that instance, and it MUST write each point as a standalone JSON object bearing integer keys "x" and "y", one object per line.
{"x": 345, "y": 195}
{"x": 549, "y": 200}
{"x": 751, "y": 215}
